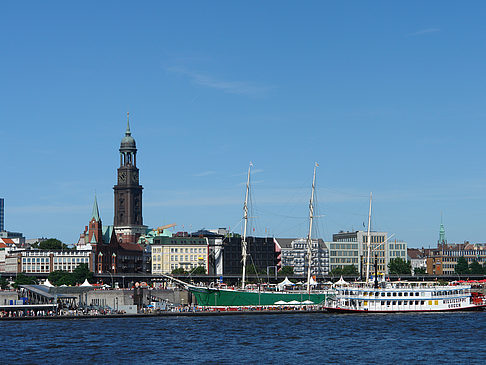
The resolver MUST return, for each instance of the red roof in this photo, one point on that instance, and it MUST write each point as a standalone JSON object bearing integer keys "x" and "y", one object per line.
{"x": 3, "y": 245}
{"x": 131, "y": 246}
{"x": 8, "y": 241}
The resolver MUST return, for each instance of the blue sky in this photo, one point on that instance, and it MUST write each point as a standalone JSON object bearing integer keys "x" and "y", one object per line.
{"x": 388, "y": 97}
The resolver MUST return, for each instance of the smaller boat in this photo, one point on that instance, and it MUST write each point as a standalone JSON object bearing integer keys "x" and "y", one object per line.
{"x": 401, "y": 296}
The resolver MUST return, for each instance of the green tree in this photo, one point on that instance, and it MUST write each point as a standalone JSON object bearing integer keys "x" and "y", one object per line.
{"x": 253, "y": 270}
{"x": 200, "y": 270}
{"x": 51, "y": 244}
{"x": 476, "y": 268}
{"x": 286, "y": 271}
{"x": 3, "y": 283}
{"x": 61, "y": 277}
{"x": 420, "y": 271}
{"x": 462, "y": 266}
{"x": 179, "y": 271}
{"x": 346, "y": 270}
{"x": 81, "y": 273}
{"x": 22, "y": 279}
{"x": 399, "y": 266}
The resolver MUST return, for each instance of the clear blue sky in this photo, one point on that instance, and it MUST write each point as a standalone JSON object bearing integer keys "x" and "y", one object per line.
{"x": 387, "y": 96}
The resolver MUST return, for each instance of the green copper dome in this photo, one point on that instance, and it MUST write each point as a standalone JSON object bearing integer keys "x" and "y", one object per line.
{"x": 128, "y": 142}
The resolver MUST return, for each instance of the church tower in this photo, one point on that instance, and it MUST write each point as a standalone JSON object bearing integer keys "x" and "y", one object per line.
{"x": 128, "y": 221}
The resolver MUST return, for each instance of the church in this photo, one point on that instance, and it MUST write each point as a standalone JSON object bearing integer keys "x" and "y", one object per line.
{"x": 114, "y": 248}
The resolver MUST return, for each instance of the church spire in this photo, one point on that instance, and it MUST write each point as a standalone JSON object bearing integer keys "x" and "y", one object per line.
{"x": 442, "y": 238}
{"x": 128, "y": 133}
{"x": 96, "y": 212}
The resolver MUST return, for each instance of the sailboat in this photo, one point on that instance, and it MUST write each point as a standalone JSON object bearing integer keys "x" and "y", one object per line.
{"x": 401, "y": 296}
{"x": 243, "y": 297}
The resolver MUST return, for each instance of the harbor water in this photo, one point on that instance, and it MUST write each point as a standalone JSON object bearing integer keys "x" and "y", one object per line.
{"x": 430, "y": 338}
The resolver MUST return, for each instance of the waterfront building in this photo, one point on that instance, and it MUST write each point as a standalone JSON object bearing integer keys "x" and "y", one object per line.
{"x": 45, "y": 261}
{"x": 110, "y": 254}
{"x": 128, "y": 219}
{"x": 263, "y": 254}
{"x": 170, "y": 253}
{"x": 417, "y": 259}
{"x": 293, "y": 253}
{"x": 350, "y": 248}
{"x": 443, "y": 259}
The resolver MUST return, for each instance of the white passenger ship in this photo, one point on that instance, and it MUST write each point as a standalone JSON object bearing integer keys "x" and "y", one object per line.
{"x": 401, "y": 296}
{"x": 404, "y": 297}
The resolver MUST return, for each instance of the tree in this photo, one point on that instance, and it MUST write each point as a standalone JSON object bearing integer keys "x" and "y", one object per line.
{"x": 253, "y": 270}
{"x": 420, "y": 271}
{"x": 179, "y": 271}
{"x": 81, "y": 273}
{"x": 462, "y": 266}
{"x": 51, "y": 244}
{"x": 476, "y": 268}
{"x": 346, "y": 270}
{"x": 3, "y": 283}
{"x": 399, "y": 266}
{"x": 61, "y": 277}
{"x": 286, "y": 271}
{"x": 200, "y": 270}
{"x": 23, "y": 279}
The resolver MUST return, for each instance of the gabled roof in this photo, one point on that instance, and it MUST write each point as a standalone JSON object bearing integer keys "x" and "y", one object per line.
{"x": 131, "y": 246}
{"x": 7, "y": 241}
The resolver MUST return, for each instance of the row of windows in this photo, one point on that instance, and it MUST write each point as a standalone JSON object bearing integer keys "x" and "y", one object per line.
{"x": 344, "y": 253}
{"x": 348, "y": 260}
{"x": 186, "y": 258}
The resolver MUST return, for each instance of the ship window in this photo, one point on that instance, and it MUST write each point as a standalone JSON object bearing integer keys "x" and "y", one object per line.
{"x": 394, "y": 294}
{"x": 416, "y": 294}
{"x": 382, "y": 302}
{"x": 399, "y": 302}
{"x": 388, "y": 294}
{"x": 382, "y": 294}
{"x": 400, "y": 294}
{"x": 394, "y": 302}
{"x": 405, "y": 294}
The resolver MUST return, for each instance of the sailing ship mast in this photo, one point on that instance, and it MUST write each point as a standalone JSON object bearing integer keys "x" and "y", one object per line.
{"x": 243, "y": 240}
{"x": 368, "y": 244}
{"x": 309, "y": 239}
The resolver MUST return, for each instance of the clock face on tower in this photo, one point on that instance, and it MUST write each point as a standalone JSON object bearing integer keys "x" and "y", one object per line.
{"x": 122, "y": 176}
{"x": 135, "y": 177}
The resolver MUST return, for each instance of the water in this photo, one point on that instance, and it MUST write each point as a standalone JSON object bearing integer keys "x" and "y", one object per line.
{"x": 285, "y": 339}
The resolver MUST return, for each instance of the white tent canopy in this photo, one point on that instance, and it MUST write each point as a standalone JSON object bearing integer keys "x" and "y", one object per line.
{"x": 294, "y": 302}
{"x": 312, "y": 281}
{"x": 281, "y": 302}
{"x": 48, "y": 284}
{"x": 86, "y": 283}
{"x": 341, "y": 281}
{"x": 286, "y": 282}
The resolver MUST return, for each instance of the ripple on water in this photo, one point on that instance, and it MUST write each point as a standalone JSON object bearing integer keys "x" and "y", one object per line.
{"x": 285, "y": 339}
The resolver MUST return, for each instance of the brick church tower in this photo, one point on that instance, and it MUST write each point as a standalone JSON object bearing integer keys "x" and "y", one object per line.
{"x": 128, "y": 220}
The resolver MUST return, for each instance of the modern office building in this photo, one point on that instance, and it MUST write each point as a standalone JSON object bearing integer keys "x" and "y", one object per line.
{"x": 262, "y": 255}
{"x": 350, "y": 248}
{"x": 293, "y": 252}
{"x": 45, "y": 261}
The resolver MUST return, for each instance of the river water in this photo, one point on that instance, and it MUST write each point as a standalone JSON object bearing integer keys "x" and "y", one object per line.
{"x": 430, "y": 338}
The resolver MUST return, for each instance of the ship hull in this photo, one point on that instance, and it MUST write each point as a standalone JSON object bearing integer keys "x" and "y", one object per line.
{"x": 350, "y": 310}
{"x": 209, "y": 297}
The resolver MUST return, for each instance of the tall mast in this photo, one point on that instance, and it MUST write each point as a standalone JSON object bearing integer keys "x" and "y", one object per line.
{"x": 309, "y": 238}
{"x": 243, "y": 241}
{"x": 368, "y": 244}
